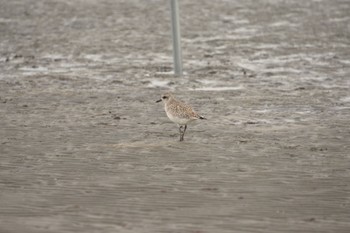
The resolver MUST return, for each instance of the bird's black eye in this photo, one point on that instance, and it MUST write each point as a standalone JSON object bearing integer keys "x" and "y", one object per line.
{"x": 164, "y": 97}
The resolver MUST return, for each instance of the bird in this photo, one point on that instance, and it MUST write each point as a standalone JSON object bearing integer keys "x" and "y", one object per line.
{"x": 179, "y": 112}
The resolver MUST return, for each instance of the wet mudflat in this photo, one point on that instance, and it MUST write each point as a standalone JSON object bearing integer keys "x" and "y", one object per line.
{"x": 85, "y": 148}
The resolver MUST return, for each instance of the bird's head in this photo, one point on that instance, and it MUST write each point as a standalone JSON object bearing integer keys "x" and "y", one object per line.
{"x": 165, "y": 97}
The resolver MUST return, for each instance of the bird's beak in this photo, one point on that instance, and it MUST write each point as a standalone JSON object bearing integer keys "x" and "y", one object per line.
{"x": 158, "y": 100}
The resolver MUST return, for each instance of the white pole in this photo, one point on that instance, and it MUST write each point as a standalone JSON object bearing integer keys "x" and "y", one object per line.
{"x": 175, "y": 25}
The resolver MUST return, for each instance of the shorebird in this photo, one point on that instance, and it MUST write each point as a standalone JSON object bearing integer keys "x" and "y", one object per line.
{"x": 179, "y": 112}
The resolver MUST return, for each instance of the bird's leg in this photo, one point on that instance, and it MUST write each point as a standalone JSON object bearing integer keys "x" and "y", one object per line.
{"x": 181, "y": 133}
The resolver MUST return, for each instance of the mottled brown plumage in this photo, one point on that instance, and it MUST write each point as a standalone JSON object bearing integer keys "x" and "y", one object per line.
{"x": 179, "y": 112}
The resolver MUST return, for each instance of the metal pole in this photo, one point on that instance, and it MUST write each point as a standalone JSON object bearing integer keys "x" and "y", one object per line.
{"x": 175, "y": 25}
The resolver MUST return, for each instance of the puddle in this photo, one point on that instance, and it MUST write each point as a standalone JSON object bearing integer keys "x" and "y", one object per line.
{"x": 217, "y": 88}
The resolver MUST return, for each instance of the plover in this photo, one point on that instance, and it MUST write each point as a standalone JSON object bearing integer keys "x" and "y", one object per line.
{"x": 179, "y": 112}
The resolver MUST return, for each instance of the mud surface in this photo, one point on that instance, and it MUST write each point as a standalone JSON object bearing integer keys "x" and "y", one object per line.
{"x": 85, "y": 148}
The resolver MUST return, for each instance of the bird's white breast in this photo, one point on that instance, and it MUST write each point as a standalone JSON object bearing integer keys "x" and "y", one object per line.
{"x": 178, "y": 120}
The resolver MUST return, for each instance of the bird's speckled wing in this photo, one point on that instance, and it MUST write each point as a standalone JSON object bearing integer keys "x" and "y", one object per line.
{"x": 185, "y": 111}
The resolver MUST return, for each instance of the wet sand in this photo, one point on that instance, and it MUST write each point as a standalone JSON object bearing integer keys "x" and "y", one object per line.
{"x": 85, "y": 148}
